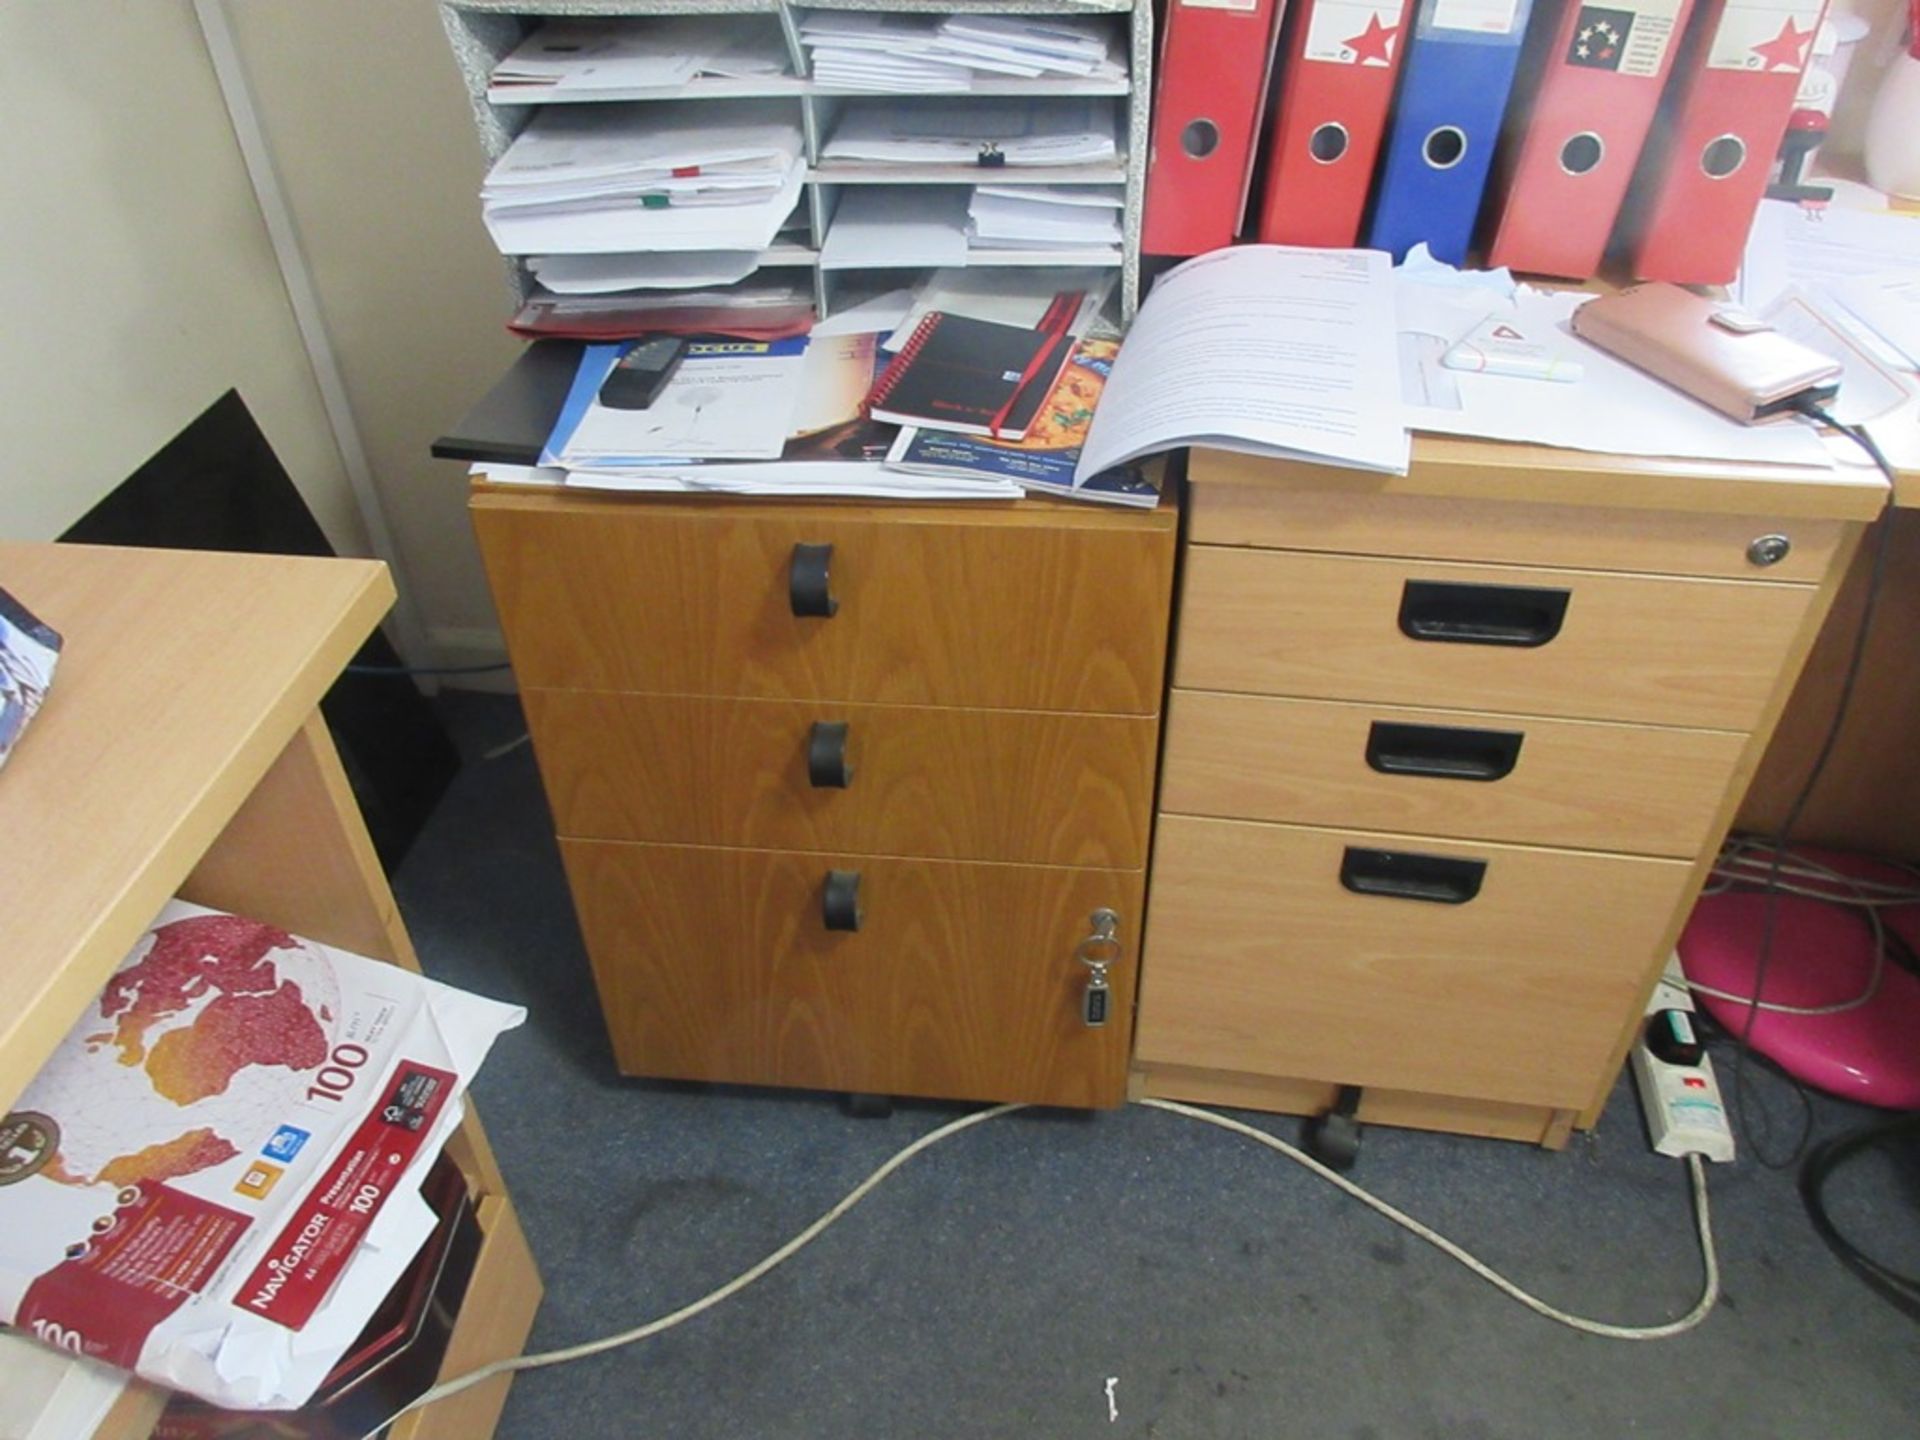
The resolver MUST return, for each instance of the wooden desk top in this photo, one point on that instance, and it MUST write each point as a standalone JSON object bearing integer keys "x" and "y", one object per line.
{"x": 1460, "y": 468}
{"x": 182, "y": 678}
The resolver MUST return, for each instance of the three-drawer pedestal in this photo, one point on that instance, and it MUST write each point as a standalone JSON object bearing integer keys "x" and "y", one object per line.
{"x": 1443, "y": 771}
{"x": 841, "y": 788}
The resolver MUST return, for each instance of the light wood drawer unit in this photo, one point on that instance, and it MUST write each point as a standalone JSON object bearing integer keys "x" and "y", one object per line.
{"x": 962, "y": 979}
{"x": 1025, "y": 785}
{"x": 1500, "y": 979}
{"x": 1448, "y": 757}
{"x": 930, "y": 606}
{"x": 1579, "y": 783}
{"x": 1533, "y": 641}
{"x": 959, "y": 704}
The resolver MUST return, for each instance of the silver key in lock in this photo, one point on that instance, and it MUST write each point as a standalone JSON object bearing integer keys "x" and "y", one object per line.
{"x": 1098, "y": 952}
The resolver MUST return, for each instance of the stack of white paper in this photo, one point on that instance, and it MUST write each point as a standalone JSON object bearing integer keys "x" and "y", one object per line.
{"x": 889, "y": 225}
{"x": 1865, "y": 263}
{"x": 1045, "y": 217}
{"x": 1029, "y": 131}
{"x": 678, "y": 175}
{"x": 574, "y": 59}
{"x": 927, "y": 52}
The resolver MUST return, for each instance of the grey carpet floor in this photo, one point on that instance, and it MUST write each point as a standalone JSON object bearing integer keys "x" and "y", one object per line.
{"x": 995, "y": 1284}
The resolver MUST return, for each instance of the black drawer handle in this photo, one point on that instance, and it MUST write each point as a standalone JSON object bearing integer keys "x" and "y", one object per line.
{"x": 1439, "y": 879}
{"x": 1460, "y": 614}
{"x": 840, "y": 900}
{"x": 809, "y": 586}
{"x": 1446, "y": 752}
{"x": 827, "y": 766}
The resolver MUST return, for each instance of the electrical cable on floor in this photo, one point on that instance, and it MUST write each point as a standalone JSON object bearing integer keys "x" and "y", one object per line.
{"x": 1709, "y": 1294}
{"x": 1899, "y": 1290}
{"x": 1782, "y": 839}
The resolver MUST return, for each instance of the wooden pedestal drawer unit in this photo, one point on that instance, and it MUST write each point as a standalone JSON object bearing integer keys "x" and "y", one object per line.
{"x": 841, "y": 788}
{"x": 1447, "y": 758}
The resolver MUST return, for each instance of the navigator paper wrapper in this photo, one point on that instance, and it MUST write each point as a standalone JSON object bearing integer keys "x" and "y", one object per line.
{"x": 215, "y": 1173}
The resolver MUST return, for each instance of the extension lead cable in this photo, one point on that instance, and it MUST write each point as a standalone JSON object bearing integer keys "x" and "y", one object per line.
{"x": 1709, "y": 1294}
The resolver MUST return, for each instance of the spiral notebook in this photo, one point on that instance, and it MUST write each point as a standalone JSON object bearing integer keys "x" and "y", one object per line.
{"x": 974, "y": 377}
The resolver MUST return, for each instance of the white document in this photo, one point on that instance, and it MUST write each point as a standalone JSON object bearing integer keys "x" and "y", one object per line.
{"x": 1868, "y": 391}
{"x": 879, "y": 225}
{"x": 1792, "y": 245}
{"x": 1890, "y": 303}
{"x": 631, "y": 228}
{"x": 1097, "y": 197}
{"x": 1267, "y": 349}
{"x": 659, "y": 270}
{"x": 1033, "y": 131}
{"x": 627, "y": 59}
{"x": 881, "y": 315}
{"x": 564, "y": 150}
{"x": 1614, "y": 408}
{"x": 1014, "y": 220}
{"x": 1015, "y": 296}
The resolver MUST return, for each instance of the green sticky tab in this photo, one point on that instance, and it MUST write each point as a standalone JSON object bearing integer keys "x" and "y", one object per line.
{"x": 655, "y": 202}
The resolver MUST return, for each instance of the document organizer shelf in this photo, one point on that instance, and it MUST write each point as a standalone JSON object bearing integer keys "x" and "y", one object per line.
{"x": 482, "y": 32}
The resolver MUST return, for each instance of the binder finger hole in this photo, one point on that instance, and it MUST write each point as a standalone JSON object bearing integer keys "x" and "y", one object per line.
{"x": 1445, "y": 147}
{"x": 1200, "y": 139}
{"x": 1581, "y": 153}
{"x": 1328, "y": 142}
{"x": 1723, "y": 156}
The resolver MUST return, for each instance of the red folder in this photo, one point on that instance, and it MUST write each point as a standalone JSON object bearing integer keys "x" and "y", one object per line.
{"x": 1211, "y": 89}
{"x": 1709, "y": 160}
{"x": 1600, "y": 71}
{"x": 1335, "y": 85}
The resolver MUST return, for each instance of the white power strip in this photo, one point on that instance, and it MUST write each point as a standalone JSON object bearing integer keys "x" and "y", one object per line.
{"x": 1685, "y": 1114}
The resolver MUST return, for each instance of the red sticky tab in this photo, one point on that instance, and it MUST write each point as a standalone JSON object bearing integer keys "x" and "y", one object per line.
{"x": 320, "y": 1236}
{"x": 684, "y": 172}
{"x": 157, "y": 1252}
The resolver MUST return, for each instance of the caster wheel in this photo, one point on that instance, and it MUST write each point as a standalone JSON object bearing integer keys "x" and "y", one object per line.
{"x": 1334, "y": 1140}
{"x": 869, "y": 1107}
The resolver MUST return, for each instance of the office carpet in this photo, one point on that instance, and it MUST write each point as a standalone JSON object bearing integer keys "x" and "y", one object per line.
{"x": 998, "y": 1283}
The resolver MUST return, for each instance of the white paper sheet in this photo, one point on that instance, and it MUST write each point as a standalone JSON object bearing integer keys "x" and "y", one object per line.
{"x": 657, "y": 270}
{"x": 1890, "y": 303}
{"x": 51, "y": 1395}
{"x": 1268, "y": 349}
{"x": 888, "y": 225}
{"x": 631, "y": 229}
{"x": 1024, "y": 131}
{"x": 882, "y": 314}
{"x": 1831, "y": 253}
{"x": 1868, "y": 391}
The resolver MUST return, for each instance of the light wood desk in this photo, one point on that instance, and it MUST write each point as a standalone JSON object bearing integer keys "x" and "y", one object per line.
{"x": 1448, "y": 757}
{"x": 180, "y": 751}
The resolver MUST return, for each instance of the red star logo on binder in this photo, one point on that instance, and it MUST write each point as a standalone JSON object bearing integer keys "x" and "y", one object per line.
{"x": 1783, "y": 51}
{"x": 1374, "y": 45}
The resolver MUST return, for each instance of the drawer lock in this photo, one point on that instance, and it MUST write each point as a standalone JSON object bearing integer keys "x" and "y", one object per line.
{"x": 1769, "y": 550}
{"x": 1098, "y": 952}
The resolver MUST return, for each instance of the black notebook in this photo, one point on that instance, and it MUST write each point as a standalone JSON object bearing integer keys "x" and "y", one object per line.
{"x": 957, "y": 373}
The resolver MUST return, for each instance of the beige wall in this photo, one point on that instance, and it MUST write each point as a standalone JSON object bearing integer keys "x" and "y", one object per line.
{"x": 373, "y": 139}
{"x": 136, "y": 280}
